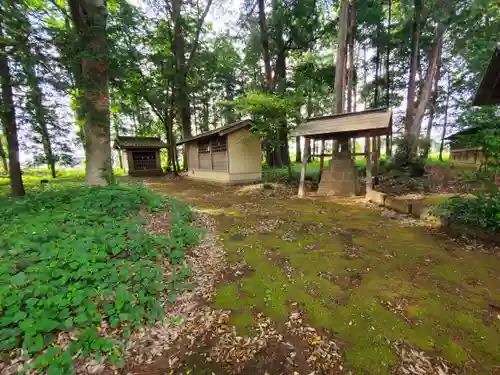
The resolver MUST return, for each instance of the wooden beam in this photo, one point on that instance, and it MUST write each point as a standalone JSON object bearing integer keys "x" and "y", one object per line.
{"x": 303, "y": 169}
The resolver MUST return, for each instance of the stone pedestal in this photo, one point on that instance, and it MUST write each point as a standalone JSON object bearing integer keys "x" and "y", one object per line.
{"x": 340, "y": 177}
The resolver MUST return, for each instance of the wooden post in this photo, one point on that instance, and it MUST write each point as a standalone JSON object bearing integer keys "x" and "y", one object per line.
{"x": 387, "y": 147}
{"x": 375, "y": 154}
{"x": 321, "y": 158}
{"x": 303, "y": 169}
{"x": 369, "y": 179}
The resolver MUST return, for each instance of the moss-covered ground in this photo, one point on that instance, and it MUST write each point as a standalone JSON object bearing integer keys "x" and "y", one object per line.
{"x": 367, "y": 279}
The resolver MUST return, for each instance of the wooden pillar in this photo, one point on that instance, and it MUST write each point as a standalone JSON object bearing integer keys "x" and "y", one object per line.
{"x": 387, "y": 147}
{"x": 321, "y": 158}
{"x": 369, "y": 178}
{"x": 375, "y": 154}
{"x": 303, "y": 169}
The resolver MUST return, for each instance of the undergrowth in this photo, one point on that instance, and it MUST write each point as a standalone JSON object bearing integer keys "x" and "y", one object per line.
{"x": 80, "y": 259}
{"x": 482, "y": 211}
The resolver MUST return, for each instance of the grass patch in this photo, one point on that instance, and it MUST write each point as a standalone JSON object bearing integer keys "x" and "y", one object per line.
{"x": 76, "y": 257}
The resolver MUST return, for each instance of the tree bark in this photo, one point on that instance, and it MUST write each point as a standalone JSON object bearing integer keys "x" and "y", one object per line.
{"x": 298, "y": 151}
{"x": 415, "y": 40}
{"x": 3, "y": 157}
{"x": 340, "y": 61}
{"x": 89, "y": 17}
{"x": 9, "y": 124}
{"x": 425, "y": 93}
{"x": 181, "y": 95}
{"x": 204, "y": 125}
{"x": 376, "y": 95}
{"x": 36, "y": 96}
{"x": 432, "y": 111}
{"x": 351, "y": 40}
{"x": 264, "y": 37}
{"x": 445, "y": 124}
{"x": 387, "y": 60}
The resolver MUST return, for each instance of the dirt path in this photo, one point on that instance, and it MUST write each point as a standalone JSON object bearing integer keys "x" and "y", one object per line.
{"x": 332, "y": 286}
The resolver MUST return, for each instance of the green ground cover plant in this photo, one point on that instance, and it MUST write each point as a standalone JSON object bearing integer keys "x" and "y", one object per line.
{"x": 73, "y": 257}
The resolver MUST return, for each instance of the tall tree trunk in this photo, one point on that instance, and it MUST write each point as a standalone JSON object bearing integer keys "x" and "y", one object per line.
{"x": 9, "y": 124}
{"x": 340, "y": 61}
{"x": 432, "y": 111}
{"x": 116, "y": 126}
{"x": 445, "y": 124}
{"x": 376, "y": 95}
{"x": 365, "y": 70}
{"x": 351, "y": 40}
{"x": 414, "y": 53}
{"x": 181, "y": 95}
{"x": 388, "y": 59}
{"x": 423, "y": 100}
{"x": 36, "y": 96}
{"x": 264, "y": 37}
{"x": 298, "y": 151}
{"x": 89, "y": 17}
{"x": 204, "y": 125}
{"x": 3, "y": 157}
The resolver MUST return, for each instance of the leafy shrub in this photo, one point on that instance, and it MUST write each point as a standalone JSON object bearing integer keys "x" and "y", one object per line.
{"x": 482, "y": 211}
{"x": 75, "y": 258}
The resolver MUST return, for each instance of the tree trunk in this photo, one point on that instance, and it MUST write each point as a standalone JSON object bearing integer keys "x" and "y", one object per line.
{"x": 445, "y": 124}
{"x": 36, "y": 96}
{"x": 387, "y": 60}
{"x": 298, "y": 151}
{"x": 415, "y": 40}
{"x": 351, "y": 40}
{"x": 9, "y": 125}
{"x": 3, "y": 157}
{"x": 365, "y": 70}
{"x": 89, "y": 17}
{"x": 376, "y": 95}
{"x": 340, "y": 61}
{"x": 205, "y": 117}
{"x": 181, "y": 95}
{"x": 264, "y": 37}
{"x": 432, "y": 112}
{"x": 425, "y": 93}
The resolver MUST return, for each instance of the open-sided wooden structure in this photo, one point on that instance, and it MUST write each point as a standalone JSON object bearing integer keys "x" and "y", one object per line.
{"x": 143, "y": 154}
{"x": 489, "y": 88}
{"x": 340, "y": 177}
{"x": 231, "y": 154}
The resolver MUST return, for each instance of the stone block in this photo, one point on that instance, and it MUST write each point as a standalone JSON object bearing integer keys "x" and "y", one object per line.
{"x": 376, "y": 197}
{"x": 399, "y": 205}
{"x": 418, "y": 207}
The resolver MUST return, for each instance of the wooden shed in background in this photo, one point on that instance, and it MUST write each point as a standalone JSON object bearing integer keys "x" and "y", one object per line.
{"x": 340, "y": 177}
{"x": 462, "y": 151}
{"x": 231, "y": 154}
{"x": 143, "y": 154}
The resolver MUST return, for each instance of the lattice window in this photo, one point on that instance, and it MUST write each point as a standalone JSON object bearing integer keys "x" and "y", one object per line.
{"x": 218, "y": 144}
{"x": 203, "y": 147}
{"x": 144, "y": 160}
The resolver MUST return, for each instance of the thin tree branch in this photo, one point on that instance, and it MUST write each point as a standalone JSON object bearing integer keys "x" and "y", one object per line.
{"x": 198, "y": 33}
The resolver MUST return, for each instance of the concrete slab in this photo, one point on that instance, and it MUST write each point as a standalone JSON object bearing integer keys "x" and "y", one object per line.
{"x": 402, "y": 206}
{"x": 376, "y": 197}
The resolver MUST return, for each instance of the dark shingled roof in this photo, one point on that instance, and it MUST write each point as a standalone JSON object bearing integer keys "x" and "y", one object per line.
{"x": 228, "y": 129}
{"x": 469, "y": 131}
{"x": 489, "y": 88}
{"x": 139, "y": 143}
